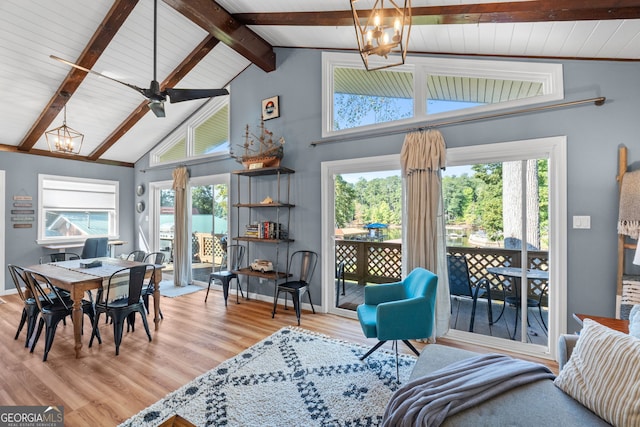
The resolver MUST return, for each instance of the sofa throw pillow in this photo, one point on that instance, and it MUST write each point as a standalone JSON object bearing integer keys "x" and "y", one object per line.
{"x": 602, "y": 374}
{"x": 634, "y": 321}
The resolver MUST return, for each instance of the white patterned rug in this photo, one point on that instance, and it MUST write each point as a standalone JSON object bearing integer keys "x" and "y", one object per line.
{"x": 291, "y": 378}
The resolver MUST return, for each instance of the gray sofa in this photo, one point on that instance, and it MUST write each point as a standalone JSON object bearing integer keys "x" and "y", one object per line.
{"x": 536, "y": 404}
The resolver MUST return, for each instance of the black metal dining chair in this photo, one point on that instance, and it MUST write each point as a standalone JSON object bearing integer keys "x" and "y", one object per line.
{"x": 137, "y": 256}
{"x": 53, "y": 308}
{"x": 299, "y": 274}
{"x": 59, "y": 256}
{"x": 120, "y": 299}
{"x": 156, "y": 258}
{"x": 231, "y": 261}
{"x": 30, "y": 309}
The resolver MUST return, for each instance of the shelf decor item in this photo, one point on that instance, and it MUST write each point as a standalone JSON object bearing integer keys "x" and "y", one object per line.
{"x": 261, "y": 151}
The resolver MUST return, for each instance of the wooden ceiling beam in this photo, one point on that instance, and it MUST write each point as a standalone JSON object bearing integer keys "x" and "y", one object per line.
{"x": 47, "y": 153}
{"x": 527, "y": 11}
{"x": 141, "y": 110}
{"x": 218, "y": 22}
{"x": 101, "y": 38}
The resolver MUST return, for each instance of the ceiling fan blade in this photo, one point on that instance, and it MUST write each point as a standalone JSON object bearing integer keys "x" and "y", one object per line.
{"x": 79, "y": 67}
{"x": 179, "y": 95}
{"x": 157, "y": 107}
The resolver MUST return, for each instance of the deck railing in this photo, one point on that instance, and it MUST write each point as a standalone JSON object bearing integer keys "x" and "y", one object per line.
{"x": 380, "y": 262}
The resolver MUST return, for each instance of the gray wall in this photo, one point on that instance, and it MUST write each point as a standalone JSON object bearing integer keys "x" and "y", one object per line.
{"x": 21, "y": 174}
{"x": 593, "y": 134}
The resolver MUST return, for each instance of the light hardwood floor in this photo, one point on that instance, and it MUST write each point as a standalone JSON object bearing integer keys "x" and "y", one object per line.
{"x": 100, "y": 389}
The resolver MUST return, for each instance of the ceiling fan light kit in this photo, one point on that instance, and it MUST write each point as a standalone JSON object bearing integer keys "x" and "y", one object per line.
{"x": 154, "y": 94}
{"x": 384, "y": 36}
{"x": 63, "y": 139}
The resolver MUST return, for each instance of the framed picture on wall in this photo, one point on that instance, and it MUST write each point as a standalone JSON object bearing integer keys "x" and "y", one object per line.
{"x": 270, "y": 108}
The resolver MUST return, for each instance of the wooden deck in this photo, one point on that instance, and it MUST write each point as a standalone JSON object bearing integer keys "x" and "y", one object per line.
{"x": 461, "y": 316}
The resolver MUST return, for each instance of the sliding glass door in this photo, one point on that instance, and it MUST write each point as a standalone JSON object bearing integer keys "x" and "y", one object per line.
{"x": 362, "y": 226}
{"x": 209, "y": 224}
{"x": 504, "y": 208}
{"x": 208, "y": 218}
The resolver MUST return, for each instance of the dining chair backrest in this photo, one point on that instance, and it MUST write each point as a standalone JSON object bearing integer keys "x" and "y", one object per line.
{"x": 43, "y": 291}
{"x": 156, "y": 258}
{"x": 63, "y": 256}
{"x": 131, "y": 278}
{"x": 235, "y": 255}
{"x": 302, "y": 266}
{"x": 95, "y": 247}
{"x": 19, "y": 280}
{"x": 137, "y": 256}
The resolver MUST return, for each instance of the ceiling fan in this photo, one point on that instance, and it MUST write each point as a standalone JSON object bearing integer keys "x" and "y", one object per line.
{"x": 155, "y": 96}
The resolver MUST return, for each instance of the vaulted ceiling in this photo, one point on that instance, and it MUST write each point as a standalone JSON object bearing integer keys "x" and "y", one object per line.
{"x": 206, "y": 43}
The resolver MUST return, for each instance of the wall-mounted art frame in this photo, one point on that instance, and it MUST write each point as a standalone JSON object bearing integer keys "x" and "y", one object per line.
{"x": 271, "y": 108}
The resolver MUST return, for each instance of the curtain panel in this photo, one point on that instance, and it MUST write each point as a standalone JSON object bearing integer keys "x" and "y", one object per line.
{"x": 181, "y": 234}
{"x": 422, "y": 157}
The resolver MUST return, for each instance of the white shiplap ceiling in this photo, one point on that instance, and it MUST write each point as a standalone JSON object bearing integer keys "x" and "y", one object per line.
{"x": 31, "y": 30}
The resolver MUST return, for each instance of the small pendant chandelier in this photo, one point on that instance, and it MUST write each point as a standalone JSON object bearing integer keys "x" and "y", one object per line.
{"x": 63, "y": 139}
{"x": 385, "y": 35}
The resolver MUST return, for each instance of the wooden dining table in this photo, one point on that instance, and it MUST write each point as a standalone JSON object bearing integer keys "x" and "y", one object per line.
{"x": 70, "y": 276}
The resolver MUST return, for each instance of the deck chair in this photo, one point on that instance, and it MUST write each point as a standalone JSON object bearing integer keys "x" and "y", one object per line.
{"x": 460, "y": 285}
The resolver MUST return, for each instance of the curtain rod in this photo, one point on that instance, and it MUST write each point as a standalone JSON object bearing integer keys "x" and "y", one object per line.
{"x": 597, "y": 101}
{"x": 191, "y": 163}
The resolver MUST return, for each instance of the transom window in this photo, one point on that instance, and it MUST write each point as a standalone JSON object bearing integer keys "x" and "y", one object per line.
{"x": 205, "y": 135}
{"x": 427, "y": 90}
{"x": 72, "y": 208}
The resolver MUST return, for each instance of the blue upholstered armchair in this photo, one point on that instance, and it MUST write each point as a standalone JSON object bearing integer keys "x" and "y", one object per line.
{"x": 399, "y": 311}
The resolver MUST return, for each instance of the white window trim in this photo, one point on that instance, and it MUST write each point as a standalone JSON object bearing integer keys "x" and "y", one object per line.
{"x": 555, "y": 149}
{"x": 154, "y": 212}
{"x": 549, "y": 74}
{"x": 187, "y": 131}
{"x": 41, "y": 240}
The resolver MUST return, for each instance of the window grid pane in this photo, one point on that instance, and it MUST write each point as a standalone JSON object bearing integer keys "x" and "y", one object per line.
{"x": 213, "y": 135}
{"x": 364, "y": 98}
{"x": 175, "y": 153}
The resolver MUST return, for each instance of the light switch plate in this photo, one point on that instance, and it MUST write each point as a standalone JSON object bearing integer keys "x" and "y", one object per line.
{"x": 583, "y": 222}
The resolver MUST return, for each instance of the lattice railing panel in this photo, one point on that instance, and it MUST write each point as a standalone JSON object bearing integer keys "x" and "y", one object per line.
{"x": 385, "y": 262}
{"x": 209, "y": 248}
{"x": 479, "y": 259}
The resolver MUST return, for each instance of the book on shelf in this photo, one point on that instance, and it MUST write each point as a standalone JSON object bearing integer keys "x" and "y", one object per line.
{"x": 265, "y": 230}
